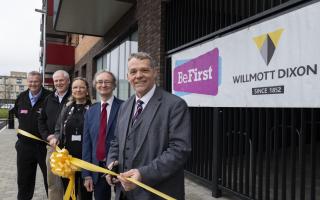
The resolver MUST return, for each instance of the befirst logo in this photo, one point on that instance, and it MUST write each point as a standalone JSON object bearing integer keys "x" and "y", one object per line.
{"x": 199, "y": 75}
{"x": 267, "y": 44}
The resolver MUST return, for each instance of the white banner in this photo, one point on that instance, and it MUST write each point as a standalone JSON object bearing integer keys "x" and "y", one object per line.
{"x": 275, "y": 63}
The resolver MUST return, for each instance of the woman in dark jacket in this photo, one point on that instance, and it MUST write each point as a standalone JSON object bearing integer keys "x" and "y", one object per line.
{"x": 69, "y": 129}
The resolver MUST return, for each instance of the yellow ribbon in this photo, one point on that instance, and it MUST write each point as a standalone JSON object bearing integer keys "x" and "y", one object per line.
{"x": 91, "y": 167}
{"x": 60, "y": 165}
{"x": 65, "y": 165}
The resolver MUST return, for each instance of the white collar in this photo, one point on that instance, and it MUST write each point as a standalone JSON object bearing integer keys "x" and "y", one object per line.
{"x": 109, "y": 101}
{"x": 146, "y": 98}
{"x": 61, "y": 96}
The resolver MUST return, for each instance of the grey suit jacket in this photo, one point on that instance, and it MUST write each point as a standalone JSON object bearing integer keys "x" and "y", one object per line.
{"x": 163, "y": 147}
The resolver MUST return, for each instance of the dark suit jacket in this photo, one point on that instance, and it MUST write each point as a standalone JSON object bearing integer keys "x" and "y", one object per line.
{"x": 91, "y": 132}
{"x": 164, "y": 144}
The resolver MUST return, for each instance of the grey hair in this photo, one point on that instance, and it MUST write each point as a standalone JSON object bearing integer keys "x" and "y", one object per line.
{"x": 143, "y": 56}
{"x": 34, "y": 73}
{"x": 114, "y": 80}
{"x": 65, "y": 74}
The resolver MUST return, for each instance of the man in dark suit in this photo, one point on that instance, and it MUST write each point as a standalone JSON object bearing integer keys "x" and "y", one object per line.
{"x": 99, "y": 127}
{"x": 153, "y": 136}
{"x": 30, "y": 152}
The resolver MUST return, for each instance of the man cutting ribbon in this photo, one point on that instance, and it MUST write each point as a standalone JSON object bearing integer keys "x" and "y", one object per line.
{"x": 153, "y": 136}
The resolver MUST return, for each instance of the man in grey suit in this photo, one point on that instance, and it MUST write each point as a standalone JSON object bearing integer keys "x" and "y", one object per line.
{"x": 153, "y": 136}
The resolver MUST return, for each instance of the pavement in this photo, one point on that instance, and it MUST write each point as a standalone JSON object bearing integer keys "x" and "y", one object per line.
{"x": 8, "y": 174}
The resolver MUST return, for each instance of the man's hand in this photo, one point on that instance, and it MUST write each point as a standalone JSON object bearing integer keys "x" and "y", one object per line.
{"x": 53, "y": 141}
{"x": 88, "y": 183}
{"x": 127, "y": 185}
{"x": 112, "y": 180}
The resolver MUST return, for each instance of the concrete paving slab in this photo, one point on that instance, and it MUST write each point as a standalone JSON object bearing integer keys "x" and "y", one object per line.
{"x": 8, "y": 174}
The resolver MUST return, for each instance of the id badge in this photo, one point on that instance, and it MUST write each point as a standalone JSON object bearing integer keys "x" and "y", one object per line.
{"x": 76, "y": 138}
{"x": 23, "y": 111}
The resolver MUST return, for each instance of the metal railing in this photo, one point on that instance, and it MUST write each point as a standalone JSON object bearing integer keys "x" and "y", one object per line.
{"x": 253, "y": 153}
{"x": 257, "y": 153}
{"x": 193, "y": 21}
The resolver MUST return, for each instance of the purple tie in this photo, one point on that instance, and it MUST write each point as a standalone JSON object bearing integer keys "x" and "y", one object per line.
{"x": 138, "y": 111}
{"x": 101, "y": 143}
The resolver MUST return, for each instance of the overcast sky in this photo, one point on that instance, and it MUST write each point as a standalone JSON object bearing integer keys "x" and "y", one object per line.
{"x": 19, "y": 36}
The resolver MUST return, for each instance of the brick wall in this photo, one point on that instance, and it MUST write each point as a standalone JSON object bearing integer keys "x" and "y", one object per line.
{"x": 85, "y": 43}
{"x": 114, "y": 34}
{"x": 88, "y": 60}
{"x": 148, "y": 16}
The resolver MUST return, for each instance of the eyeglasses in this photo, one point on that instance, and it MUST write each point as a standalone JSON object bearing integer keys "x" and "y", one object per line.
{"x": 100, "y": 82}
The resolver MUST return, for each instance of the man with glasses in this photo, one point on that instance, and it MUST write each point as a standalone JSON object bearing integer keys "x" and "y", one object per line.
{"x": 52, "y": 107}
{"x": 30, "y": 152}
{"x": 99, "y": 126}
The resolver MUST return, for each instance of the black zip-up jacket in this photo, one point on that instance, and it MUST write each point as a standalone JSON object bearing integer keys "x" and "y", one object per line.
{"x": 50, "y": 113}
{"x": 28, "y": 115}
{"x": 70, "y": 124}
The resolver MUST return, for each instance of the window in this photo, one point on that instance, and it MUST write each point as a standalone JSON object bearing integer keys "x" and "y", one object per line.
{"x": 123, "y": 83}
{"x": 99, "y": 64}
{"x": 106, "y": 61}
{"x": 115, "y": 60}
{"x": 21, "y": 87}
{"x": 114, "y": 65}
{"x": 19, "y": 81}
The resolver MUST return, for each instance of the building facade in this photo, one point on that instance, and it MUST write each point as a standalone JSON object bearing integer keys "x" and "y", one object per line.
{"x": 11, "y": 86}
{"x": 245, "y": 142}
{"x": 57, "y": 49}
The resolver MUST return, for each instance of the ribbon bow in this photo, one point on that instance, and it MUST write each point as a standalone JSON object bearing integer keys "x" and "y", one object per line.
{"x": 60, "y": 162}
{"x": 63, "y": 164}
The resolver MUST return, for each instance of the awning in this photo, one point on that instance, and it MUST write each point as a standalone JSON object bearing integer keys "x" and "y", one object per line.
{"x": 60, "y": 54}
{"x": 88, "y": 17}
{"x": 59, "y": 57}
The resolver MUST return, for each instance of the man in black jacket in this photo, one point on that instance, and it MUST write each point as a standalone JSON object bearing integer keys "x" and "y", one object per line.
{"x": 52, "y": 107}
{"x": 30, "y": 152}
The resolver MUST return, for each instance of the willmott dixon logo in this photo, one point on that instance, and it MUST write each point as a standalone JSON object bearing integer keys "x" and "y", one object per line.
{"x": 267, "y": 44}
